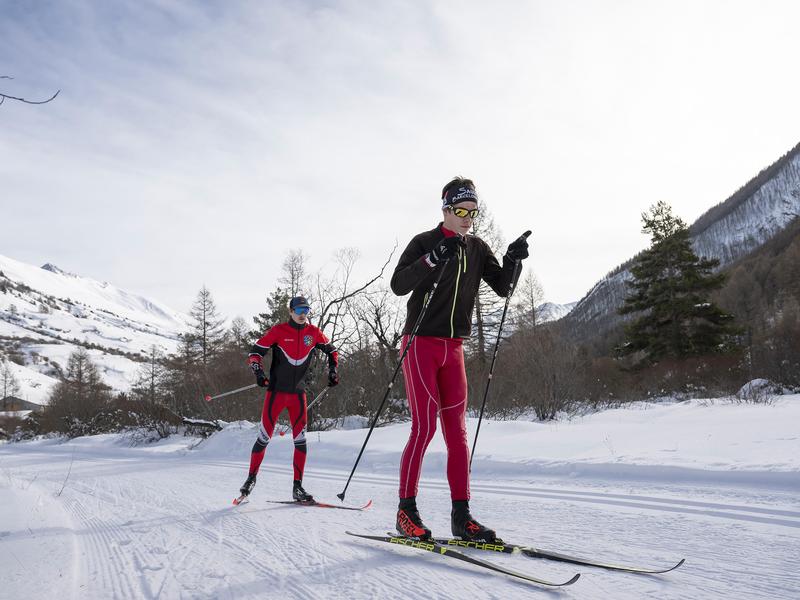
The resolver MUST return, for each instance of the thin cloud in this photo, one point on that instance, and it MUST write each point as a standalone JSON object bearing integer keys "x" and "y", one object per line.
{"x": 196, "y": 143}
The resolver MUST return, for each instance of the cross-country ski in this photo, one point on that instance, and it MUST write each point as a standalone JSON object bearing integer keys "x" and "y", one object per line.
{"x": 506, "y": 548}
{"x": 315, "y": 503}
{"x": 443, "y": 550}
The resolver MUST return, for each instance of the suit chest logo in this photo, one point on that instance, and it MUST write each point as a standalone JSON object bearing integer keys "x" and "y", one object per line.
{"x": 308, "y": 340}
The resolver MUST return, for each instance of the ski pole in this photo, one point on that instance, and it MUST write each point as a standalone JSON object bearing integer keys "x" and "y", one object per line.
{"x": 394, "y": 375}
{"x": 496, "y": 348}
{"x": 241, "y": 389}
{"x": 319, "y": 397}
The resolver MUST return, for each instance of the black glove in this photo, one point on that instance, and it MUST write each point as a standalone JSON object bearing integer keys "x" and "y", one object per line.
{"x": 261, "y": 377}
{"x": 518, "y": 249}
{"x": 333, "y": 377}
{"x": 445, "y": 249}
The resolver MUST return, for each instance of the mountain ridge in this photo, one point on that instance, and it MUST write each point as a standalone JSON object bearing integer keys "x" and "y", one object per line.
{"x": 757, "y": 211}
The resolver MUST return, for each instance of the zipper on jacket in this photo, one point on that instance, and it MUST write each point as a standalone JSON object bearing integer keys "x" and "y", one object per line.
{"x": 455, "y": 294}
{"x": 297, "y": 352}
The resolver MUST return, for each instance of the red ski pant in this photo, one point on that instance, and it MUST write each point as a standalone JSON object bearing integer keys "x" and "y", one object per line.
{"x": 436, "y": 386}
{"x": 274, "y": 403}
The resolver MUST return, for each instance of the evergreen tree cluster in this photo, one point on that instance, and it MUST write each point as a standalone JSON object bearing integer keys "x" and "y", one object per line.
{"x": 671, "y": 290}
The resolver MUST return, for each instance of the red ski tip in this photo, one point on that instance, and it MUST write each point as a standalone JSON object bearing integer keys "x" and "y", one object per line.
{"x": 208, "y": 398}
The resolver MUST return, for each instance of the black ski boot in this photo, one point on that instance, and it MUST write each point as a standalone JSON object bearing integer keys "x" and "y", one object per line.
{"x": 299, "y": 494}
{"x": 248, "y": 485}
{"x": 467, "y": 528}
{"x": 409, "y": 523}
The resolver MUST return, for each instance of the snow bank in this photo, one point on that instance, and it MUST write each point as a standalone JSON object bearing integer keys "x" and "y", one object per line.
{"x": 708, "y": 440}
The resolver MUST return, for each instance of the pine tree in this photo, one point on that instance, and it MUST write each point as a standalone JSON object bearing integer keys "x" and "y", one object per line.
{"x": 208, "y": 331}
{"x": 672, "y": 287}
{"x": 277, "y": 312}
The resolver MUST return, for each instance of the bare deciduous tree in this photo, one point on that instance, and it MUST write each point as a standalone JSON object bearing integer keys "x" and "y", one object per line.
{"x": 528, "y": 296}
{"x": 383, "y": 315}
{"x": 9, "y": 386}
{"x": 149, "y": 384}
{"x": 293, "y": 272}
{"x": 208, "y": 331}
{"x": 334, "y": 295}
{"x": 488, "y": 305}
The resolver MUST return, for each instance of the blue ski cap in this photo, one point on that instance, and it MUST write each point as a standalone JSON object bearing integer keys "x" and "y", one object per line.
{"x": 298, "y": 302}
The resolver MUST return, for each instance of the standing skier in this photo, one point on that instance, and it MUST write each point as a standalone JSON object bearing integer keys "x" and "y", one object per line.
{"x": 292, "y": 344}
{"x": 435, "y": 377}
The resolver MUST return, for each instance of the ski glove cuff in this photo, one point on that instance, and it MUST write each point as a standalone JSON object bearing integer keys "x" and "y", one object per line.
{"x": 445, "y": 249}
{"x": 333, "y": 378}
{"x": 261, "y": 377}
{"x": 518, "y": 249}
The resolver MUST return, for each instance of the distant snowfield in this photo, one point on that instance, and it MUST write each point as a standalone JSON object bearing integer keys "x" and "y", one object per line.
{"x": 87, "y": 312}
{"x": 713, "y": 482}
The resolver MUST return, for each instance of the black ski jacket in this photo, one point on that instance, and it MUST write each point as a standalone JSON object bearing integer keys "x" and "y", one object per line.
{"x": 450, "y": 310}
{"x": 292, "y": 346}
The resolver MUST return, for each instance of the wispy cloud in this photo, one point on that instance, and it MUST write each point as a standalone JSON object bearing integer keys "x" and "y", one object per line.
{"x": 194, "y": 142}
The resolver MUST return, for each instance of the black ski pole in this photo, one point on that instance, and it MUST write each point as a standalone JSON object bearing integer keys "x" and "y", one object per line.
{"x": 496, "y": 348}
{"x": 394, "y": 375}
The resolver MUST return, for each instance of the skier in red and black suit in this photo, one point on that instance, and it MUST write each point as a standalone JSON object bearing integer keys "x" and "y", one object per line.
{"x": 435, "y": 377}
{"x": 292, "y": 344}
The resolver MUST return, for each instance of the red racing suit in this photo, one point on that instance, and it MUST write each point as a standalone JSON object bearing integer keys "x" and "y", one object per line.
{"x": 292, "y": 346}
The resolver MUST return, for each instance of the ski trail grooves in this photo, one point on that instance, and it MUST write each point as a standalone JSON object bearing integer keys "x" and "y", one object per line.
{"x": 733, "y": 511}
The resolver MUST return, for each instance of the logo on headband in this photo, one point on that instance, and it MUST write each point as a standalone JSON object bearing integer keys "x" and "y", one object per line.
{"x": 460, "y": 195}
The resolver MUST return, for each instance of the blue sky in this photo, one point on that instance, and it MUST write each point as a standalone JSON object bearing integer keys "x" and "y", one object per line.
{"x": 195, "y": 143}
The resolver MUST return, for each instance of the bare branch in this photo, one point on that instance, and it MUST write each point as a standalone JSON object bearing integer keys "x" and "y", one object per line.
{"x": 382, "y": 318}
{"x": 4, "y": 96}
{"x": 363, "y": 287}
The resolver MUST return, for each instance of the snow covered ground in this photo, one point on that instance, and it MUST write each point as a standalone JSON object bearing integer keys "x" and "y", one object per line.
{"x": 714, "y": 482}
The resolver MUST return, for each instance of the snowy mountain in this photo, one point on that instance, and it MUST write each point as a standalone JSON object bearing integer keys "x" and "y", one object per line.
{"x": 551, "y": 311}
{"x": 46, "y": 313}
{"x": 729, "y": 231}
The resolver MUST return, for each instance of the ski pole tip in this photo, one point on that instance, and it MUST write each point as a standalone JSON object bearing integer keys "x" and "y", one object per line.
{"x": 340, "y": 496}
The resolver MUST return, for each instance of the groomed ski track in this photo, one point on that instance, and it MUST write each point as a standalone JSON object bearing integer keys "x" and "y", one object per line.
{"x": 156, "y": 522}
